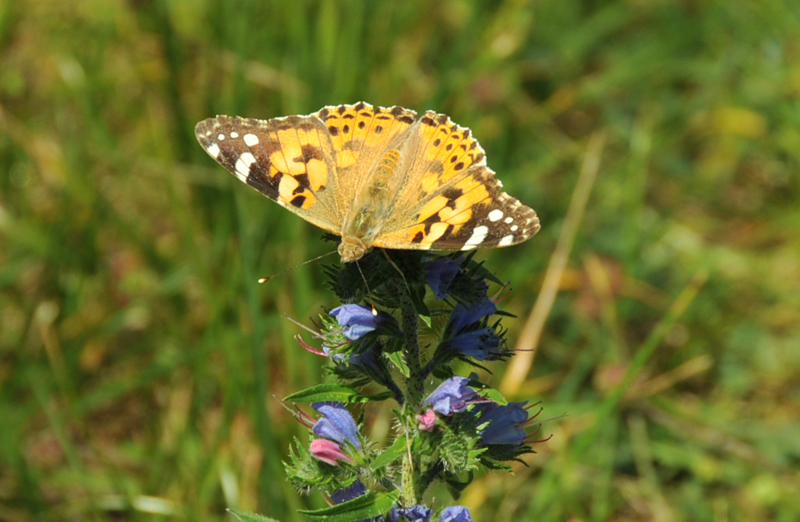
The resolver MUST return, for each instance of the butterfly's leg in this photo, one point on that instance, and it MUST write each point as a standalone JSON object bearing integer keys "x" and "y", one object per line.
{"x": 398, "y": 270}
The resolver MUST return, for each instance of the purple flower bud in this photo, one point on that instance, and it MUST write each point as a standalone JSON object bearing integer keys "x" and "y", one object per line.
{"x": 455, "y": 514}
{"x": 328, "y": 452}
{"x": 439, "y": 273}
{"x": 336, "y": 423}
{"x": 357, "y": 320}
{"x": 450, "y": 396}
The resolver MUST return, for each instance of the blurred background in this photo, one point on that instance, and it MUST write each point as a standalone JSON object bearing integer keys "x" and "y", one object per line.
{"x": 139, "y": 360}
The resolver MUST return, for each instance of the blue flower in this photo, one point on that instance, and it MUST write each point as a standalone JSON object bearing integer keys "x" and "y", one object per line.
{"x": 503, "y": 423}
{"x": 368, "y": 357}
{"x": 439, "y": 273}
{"x": 480, "y": 344}
{"x": 465, "y": 316}
{"x": 336, "y": 424}
{"x": 354, "y": 490}
{"x": 416, "y": 513}
{"x": 467, "y": 335}
{"x": 450, "y": 396}
{"x": 455, "y": 514}
{"x": 358, "y": 320}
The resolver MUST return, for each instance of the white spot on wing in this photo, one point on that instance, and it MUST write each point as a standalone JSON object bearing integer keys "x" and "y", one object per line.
{"x": 495, "y": 215}
{"x": 514, "y": 228}
{"x": 507, "y": 240}
{"x": 477, "y": 237}
{"x": 248, "y": 158}
{"x": 234, "y": 134}
{"x": 509, "y": 220}
{"x": 243, "y": 165}
{"x": 221, "y": 137}
{"x": 251, "y": 140}
{"x": 213, "y": 149}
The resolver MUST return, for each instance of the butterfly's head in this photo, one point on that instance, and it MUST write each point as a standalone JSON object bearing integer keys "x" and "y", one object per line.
{"x": 351, "y": 249}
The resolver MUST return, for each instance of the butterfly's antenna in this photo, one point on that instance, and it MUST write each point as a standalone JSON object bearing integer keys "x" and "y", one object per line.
{"x": 268, "y": 278}
{"x": 398, "y": 270}
{"x": 369, "y": 292}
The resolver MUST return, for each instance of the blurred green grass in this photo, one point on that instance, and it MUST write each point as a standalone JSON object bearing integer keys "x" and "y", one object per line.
{"x": 138, "y": 359}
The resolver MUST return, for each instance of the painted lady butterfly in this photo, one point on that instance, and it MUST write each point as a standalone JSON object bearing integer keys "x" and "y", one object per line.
{"x": 374, "y": 176}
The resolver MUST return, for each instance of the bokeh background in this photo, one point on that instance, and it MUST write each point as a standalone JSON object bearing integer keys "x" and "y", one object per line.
{"x": 139, "y": 361}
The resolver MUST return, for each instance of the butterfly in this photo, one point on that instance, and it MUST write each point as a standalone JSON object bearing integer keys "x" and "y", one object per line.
{"x": 377, "y": 177}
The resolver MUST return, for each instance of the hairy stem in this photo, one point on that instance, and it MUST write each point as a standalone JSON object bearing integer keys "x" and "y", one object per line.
{"x": 414, "y": 386}
{"x": 415, "y": 383}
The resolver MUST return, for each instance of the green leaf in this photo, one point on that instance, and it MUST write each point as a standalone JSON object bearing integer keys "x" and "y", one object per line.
{"x": 426, "y": 319}
{"x": 390, "y": 454}
{"x": 334, "y": 392}
{"x": 397, "y": 360}
{"x": 366, "y": 506}
{"x": 489, "y": 392}
{"x": 244, "y": 516}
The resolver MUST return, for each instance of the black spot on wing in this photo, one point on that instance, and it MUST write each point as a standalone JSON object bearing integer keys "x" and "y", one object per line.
{"x": 452, "y": 194}
{"x": 309, "y": 152}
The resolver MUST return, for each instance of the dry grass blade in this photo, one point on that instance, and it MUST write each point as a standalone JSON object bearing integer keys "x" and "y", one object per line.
{"x": 532, "y": 331}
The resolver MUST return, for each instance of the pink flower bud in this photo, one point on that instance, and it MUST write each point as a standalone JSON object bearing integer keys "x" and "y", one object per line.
{"x": 328, "y": 452}
{"x": 427, "y": 420}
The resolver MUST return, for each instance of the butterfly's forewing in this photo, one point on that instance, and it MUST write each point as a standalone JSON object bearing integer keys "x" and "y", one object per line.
{"x": 289, "y": 160}
{"x": 451, "y": 199}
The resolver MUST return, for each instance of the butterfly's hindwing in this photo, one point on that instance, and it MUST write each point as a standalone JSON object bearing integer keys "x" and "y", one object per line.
{"x": 470, "y": 212}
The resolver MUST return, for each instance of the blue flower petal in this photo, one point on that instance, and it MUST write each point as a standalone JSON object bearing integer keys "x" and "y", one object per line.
{"x": 504, "y": 424}
{"x": 416, "y": 513}
{"x": 354, "y": 490}
{"x": 455, "y": 514}
{"x": 439, "y": 274}
{"x": 465, "y": 316}
{"x": 336, "y": 424}
{"x": 480, "y": 344}
{"x": 357, "y": 320}
{"x": 450, "y": 396}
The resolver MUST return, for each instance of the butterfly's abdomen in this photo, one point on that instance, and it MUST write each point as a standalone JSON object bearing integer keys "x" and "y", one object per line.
{"x": 374, "y": 200}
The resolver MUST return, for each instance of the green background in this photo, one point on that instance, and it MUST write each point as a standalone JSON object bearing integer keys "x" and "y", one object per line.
{"x": 139, "y": 360}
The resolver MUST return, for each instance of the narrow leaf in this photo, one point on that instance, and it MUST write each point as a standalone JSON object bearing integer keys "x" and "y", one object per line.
{"x": 334, "y": 392}
{"x": 390, "y": 454}
{"x": 370, "y": 505}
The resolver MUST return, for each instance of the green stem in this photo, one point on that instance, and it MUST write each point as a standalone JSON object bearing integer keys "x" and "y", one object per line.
{"x": 415, "y": 383}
